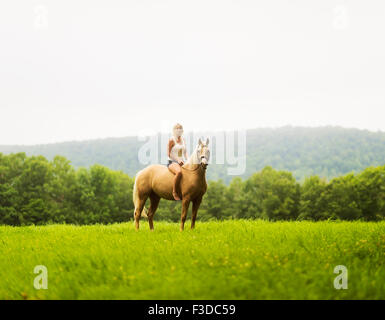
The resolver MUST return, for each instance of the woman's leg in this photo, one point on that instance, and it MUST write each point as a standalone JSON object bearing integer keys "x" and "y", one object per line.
{"x": 175, "y": 169}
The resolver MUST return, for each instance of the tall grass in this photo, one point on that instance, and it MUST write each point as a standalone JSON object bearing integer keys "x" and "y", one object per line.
{"x": 218, "y": 260}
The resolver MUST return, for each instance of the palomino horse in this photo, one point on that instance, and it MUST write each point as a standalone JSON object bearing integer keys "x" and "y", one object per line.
{"x": 156, "y": 182}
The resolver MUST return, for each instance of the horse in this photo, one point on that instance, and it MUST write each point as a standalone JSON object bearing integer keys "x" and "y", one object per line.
{"x": 156, "y": 182}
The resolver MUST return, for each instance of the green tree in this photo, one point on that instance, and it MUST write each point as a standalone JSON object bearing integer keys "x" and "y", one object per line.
{"x": 313, "y": 205}
{"x": 370, "y": 185}
{"x": 215, "y": 199}
{"x": 342, "y": 198}
{"x": 272, "y": 194}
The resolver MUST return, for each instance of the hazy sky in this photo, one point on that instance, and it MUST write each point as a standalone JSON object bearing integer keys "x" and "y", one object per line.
{"x": 75, "y": 70}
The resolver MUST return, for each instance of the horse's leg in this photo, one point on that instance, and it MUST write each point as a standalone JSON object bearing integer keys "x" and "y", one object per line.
{"x": 195, "y": 207}
{"x": 138, "y": 211}
{"x": 185, "y": 205}
{"x": 154, "y": 198}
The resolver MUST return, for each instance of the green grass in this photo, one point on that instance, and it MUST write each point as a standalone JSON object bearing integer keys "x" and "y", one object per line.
{"x": 218, "y": 260}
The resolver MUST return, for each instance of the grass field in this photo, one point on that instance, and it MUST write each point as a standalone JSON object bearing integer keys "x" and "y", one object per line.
{"x": 218, "y": 260}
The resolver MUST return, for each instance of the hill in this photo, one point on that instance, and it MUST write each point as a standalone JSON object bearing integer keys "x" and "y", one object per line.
{"x": 325, "y": 151}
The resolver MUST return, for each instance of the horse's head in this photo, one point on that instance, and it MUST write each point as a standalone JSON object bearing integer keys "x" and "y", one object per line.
{"x": 203, "y": 153}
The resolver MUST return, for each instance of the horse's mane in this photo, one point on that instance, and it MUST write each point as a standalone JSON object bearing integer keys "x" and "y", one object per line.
{"x": 193, "y": 159}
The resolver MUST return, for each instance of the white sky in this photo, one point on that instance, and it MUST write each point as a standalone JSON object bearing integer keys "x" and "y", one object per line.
{"x": 75, "y": 70}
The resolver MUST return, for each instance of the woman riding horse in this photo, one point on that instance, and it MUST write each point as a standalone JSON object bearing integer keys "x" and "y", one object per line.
{"x": 176, "y": 151}
{"x": 156, "y": 182}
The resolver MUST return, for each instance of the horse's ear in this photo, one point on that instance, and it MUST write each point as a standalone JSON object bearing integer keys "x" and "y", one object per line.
{"x": 199, "y": 141}
{"x": 207, "y": 141}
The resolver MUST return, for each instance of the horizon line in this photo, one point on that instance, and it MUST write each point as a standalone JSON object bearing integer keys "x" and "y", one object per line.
{"x": 189, "y": 132}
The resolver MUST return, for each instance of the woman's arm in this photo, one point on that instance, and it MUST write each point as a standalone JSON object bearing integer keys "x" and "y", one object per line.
{"x": 170, "y": 145}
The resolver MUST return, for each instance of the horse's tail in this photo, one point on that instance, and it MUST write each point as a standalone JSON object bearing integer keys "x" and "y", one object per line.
{"x": 135, "y": 199}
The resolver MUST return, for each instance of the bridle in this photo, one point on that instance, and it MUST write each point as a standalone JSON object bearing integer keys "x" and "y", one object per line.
{"x": 202, "y": 155}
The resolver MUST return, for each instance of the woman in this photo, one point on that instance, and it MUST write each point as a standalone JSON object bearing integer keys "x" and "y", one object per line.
{"x": 176, "y": 151}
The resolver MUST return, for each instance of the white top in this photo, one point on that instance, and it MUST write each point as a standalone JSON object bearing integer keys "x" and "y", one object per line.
{"x": 178, "y": 150}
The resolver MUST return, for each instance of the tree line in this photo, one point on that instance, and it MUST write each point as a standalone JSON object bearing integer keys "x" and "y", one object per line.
{"x": 34, "y": 190}
{"x": 326, "y": 151}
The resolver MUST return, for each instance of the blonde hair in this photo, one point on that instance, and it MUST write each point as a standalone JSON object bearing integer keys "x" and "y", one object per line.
{"x": 177, "y": 126}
